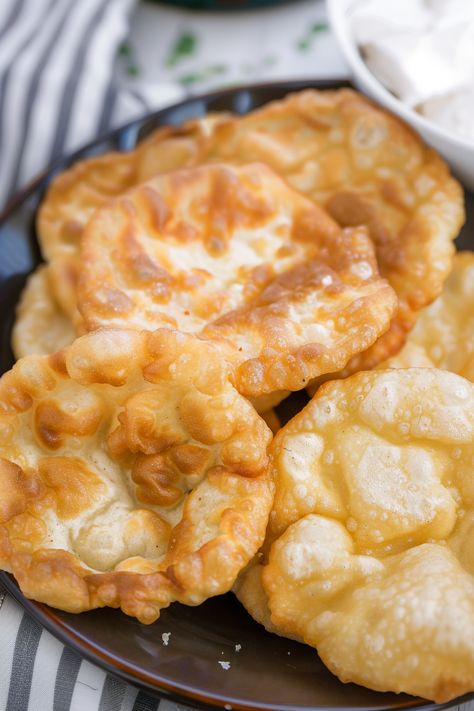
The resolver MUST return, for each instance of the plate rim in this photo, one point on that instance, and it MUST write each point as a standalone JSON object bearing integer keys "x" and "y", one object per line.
{"x": 45, "y": 615}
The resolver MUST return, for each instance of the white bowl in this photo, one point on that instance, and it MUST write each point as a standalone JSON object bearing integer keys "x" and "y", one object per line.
{"x": 458, "y": 152}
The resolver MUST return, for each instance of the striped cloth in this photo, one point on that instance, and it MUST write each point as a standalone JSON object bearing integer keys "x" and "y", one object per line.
{"x": 58, "y": 84}
{"x": 37, "y": 673}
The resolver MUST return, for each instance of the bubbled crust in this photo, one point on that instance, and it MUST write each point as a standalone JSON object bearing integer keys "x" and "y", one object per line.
{"x": 235, "y": 255}
{"x": 132, "y": 473}
{"x": 40, "y": 326}
{"x": 368, "y": 555}
{"x": 403, "y": 625}
{"x": 365, "y": 167}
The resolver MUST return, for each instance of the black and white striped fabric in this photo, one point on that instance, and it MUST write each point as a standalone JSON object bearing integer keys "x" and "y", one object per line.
{"x": 57, "y": 80}
{"x": 37, "y": 673}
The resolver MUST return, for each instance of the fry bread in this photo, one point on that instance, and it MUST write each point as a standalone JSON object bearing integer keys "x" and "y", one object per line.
{"x": 444, "y": 333}
{"x": 368, "y": 555}
{"x": 132, "y": 473}
{"x": 75, "y": 194}
{"x": 445, "y": 330}
{"x": 411, "y": 356}
{"x": 237, "y": 256}
{"x": 41, "y": 326}
{"x": 365, "y": 167}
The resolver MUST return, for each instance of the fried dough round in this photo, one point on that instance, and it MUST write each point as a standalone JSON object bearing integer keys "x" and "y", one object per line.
{"x": 363, "y": 164}
{"x": 444, "y": 333}
{"x": 132, "y": 473}
{"x": 41, "y": 326}
{"x": 411, "y": 356}
{"x": 368, "y": 555}
{"x": 235, "y": 255}
{"x": 75, "y": 194}
{"x": 365, "y": 167}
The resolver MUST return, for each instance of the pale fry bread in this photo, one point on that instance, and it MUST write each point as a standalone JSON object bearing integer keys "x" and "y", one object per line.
{"x": 444, "y": 332}
{"x": 368, "y": 554}
{"x": 366, "y": 167}
{"x": 237, "y": 256}
{"x": 132, "y": 473}
{"x": 411, "y": 356}
{"x": 388, "y": 462}
{"x": 40, "y": 326}
{"x": 404, "y": 624}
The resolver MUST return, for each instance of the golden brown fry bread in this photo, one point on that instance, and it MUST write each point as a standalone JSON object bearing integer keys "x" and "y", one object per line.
{"x": 365, "y": 167}
{"x": 334, "y": 146}
{"x": 444, "y": 333}
{"x": 132, "y": 473}
{"x": 235, "y": 255}
{"x": 74, "y": 195}
{"x": 41, "y": 326}
{"x": 369, "y": 550}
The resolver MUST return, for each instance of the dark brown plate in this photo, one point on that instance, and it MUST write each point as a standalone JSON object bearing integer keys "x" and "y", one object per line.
{"x": 268, "y": 672}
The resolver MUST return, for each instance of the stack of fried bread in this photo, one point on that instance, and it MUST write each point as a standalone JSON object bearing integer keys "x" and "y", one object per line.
{"x": 189, "y": 286}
